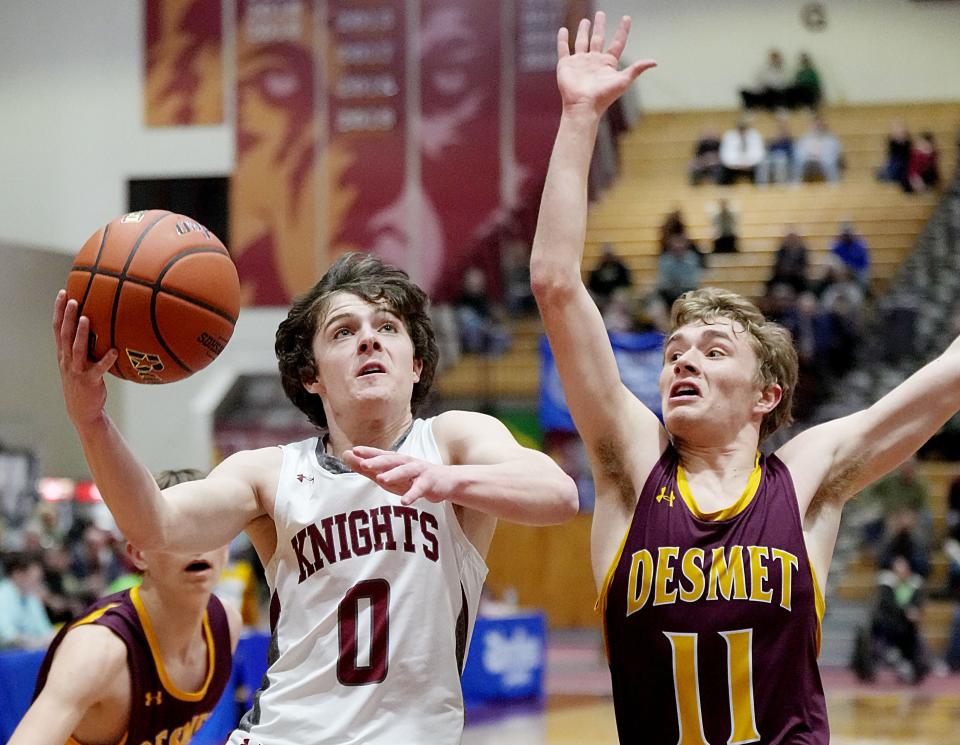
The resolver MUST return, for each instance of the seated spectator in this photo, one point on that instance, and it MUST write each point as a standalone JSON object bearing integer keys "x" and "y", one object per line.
{"x": 817, "y": 149}
{"x": 515, "y": 271}
{"x": 923, "y": 168}
{"x": 23, "y": 620}
{"x": 724, "y": 228}
{"x": 772, "y": 84}
{"x": 895, "y": 626}
{"x": 807, "y": 89}
{"x": 852, "y": 250}
{"x": 706, "y": 165}
{"x": 63, "y": 599}
{"x": 609, "y": 275}
{"x": 619, "y": 311}
{"x": 741, "y": 151}
{"x": 791, "y": 264}
{"x": 899, "y": 145}
{"x": 672, "y": 225}
{"x": 678, "y": 269}
{"x": 478, "y": 318}
{"x": 777, "y": 164}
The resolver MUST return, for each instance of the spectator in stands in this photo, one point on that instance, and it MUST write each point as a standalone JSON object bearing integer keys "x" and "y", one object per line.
{"x": 741, "y": 151}
{"x": 810, "y": 330}
{"x": 895, "y": 626}
{"x": 807, "y": 89}
{"x": 94, "y": 561}
{"x": 479, "y": 319}
{"x": 609, "y": 275}
{"x": 515, "y": 270}
{"x": 23, "y": 620}
{"x": 951, "y": 544}
{"x": 724, "y": 221}
{"x": 619, "y": 311}
{"x": 673, "y": 224}
{"x": 678, "y": 269}
{"x": 791, "y": 264}
{"x": 923, "y": 168}
{"x": 899, "y": 145}
{"x": 773, "y": 83}
{"x": 706, "y": 165}
{"x": 852, "y": 250}
{"x": 777, "y": 164}
{"x": 817, "y": 149}
{"x": 63, "y": 599}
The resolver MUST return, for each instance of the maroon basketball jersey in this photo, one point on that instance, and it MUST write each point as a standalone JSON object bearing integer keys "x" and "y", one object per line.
{"x": 159, "y": 711}
{"x": 712, "y": 621}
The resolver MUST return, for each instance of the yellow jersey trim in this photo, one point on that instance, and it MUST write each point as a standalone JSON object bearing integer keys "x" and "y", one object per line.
{"x": 744, "y": 500}
{"x": 158, "y": 660}
{"x": 819, "y": 603}
{"x": 71, "y": 740}
{"x": 601, "y": 605}
{"x": 91, "y": 617}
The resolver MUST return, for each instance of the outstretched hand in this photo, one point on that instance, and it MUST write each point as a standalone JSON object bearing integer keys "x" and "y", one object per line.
{"x": 84, "y": 391}
{"x": 410, "y": 478}
{"x": 591, "y": 78}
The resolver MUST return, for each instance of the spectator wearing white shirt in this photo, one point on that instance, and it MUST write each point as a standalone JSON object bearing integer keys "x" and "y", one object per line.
{"x": 741, "y": 151}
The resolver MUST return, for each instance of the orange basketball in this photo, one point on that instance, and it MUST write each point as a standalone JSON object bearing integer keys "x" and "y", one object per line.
{"x": 160, "y": 289}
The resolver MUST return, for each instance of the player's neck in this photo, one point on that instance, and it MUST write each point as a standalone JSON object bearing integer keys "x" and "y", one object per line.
{"x": 176, "y": 618}
{"x": 727, "y": 459}
{"x": 378, "y": 433}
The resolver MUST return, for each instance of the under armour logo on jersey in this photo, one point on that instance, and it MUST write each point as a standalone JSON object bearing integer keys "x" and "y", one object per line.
{"x": 663, "y": 496}
{"x": 154, "y": 698}
{"x": 301, "y": 477}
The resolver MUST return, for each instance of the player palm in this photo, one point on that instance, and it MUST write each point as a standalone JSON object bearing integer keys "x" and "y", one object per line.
{"x": 591, "y": 78}
{"x": 84, "y": 391}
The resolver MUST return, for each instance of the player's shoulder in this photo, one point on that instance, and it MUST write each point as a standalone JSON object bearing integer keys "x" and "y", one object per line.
{"x": 90, "y": 649}
{"x": 456, "y": 425}
{"x": 250, "y": 464}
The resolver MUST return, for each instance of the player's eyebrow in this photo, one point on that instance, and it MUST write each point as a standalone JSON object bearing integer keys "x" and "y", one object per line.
{"x": 709, "y": 334}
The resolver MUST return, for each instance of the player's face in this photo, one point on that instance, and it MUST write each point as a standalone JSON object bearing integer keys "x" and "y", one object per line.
{"x": 364, "y": 356}
{"x": 198, "y": 572}
{"x": 708, "y": 381}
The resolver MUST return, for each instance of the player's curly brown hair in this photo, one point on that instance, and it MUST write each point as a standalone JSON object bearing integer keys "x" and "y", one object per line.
{"x": 771, "y": 342}
{"x": 367, "y": 277}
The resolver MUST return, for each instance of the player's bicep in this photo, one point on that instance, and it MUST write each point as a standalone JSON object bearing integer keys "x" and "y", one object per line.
{"x": 595, "y": 395}
{"x": 86, "y": 665}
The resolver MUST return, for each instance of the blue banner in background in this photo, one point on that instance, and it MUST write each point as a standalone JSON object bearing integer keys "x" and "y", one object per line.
{"x": 639, "y": 359}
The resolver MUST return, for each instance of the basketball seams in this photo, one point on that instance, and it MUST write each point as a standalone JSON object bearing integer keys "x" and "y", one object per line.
{"x": 191, "y": 251}
{"x": 120, "y": 280}
{"x": 92, "y": 270}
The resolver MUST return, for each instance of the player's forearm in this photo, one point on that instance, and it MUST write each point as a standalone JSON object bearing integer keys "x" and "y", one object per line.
{"x": 126, "y": 485}
{"x": 529, "y": 490}
{"x": 561, "y": 227}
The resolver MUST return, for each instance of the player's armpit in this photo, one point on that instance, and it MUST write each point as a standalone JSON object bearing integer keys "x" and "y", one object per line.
{"x": 87, "y": 665}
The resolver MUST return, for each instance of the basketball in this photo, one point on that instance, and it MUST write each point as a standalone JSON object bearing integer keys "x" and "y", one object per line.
{"x": 159, "y": 288}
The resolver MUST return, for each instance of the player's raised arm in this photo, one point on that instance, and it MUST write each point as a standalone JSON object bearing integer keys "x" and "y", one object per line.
{"x": 843, "y": 456}
{"x": 589, "y": 81}
{"x": 200, "y": 515}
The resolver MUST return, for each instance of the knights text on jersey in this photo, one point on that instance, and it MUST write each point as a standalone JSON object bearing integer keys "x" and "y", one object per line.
{"x": 373, "y": 604}
{"x": 713, "y": 621}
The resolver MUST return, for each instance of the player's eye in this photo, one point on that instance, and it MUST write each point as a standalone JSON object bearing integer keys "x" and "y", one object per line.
{"x": 341, "y": 332}
{"x": 388, "y": 326}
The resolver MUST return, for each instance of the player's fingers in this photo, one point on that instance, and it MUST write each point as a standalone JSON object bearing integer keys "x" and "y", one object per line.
{"x": 405, "y": 472}
{"x": 80, "y": 342}
{"x": 620, "y": 37}
{"x": 68, "y": 326}
{"x": 582, "y": 42}
{"x": 365, "y": 451}
{"x": 638, "y": 67}
{"x": 563, "y": 43}
{"x": 599, "y": 31}
{"x": 412, "y": 494}
{"x": 105, "y": 362}
{"x": 58, "y": 306}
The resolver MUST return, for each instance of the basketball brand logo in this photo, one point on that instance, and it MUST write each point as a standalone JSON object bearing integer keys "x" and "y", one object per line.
{"x": 191, "y": 226}
{"x": 133, "y": 216}
{"x": 662, "y": 496}
{"x": 154, "y": 698}
{"x": 147, "y": 365}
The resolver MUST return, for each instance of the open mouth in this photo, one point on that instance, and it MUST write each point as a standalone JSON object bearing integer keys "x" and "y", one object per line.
{"x": 684, "y": 390}
{"x": 198, "y": 566}
{"x": 371, "y": 368}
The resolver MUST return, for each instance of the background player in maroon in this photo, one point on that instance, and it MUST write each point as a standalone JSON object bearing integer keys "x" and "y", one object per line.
{"x": 710, "y": 558}
{"x": 142, "y": 665}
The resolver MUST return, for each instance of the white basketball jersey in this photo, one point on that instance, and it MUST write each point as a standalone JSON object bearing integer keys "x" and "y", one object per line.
{"x": 372, "y": 608}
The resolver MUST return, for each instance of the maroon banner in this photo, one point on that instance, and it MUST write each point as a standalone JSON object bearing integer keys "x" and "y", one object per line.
{"x": 367, "y": 208}
{"x": 460, "y": 76}
{"x": 184, "y": 62}
{"x": 273, "y": 205}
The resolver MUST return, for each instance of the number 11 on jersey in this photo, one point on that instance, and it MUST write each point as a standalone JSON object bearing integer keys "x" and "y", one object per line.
{"x": 686, "y": 687}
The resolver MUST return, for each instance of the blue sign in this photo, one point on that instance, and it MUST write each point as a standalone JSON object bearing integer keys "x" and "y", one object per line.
{"x": 639, "y": 359}
{"x": 507, "y": 659}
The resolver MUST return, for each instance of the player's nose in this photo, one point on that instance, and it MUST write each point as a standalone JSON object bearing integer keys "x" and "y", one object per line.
{"x": 367, "y": 340}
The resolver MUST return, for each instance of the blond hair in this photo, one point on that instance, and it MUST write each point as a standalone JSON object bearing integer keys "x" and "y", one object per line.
{"x": 772, "y": 343}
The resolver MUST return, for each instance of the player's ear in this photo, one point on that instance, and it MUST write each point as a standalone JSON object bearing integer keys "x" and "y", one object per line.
{"x": 417, "y": 369}
{"x": 136, "y": 557}
{"x": 769, "y": 398}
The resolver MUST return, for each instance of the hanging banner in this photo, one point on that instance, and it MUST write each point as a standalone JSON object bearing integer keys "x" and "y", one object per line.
{"x": 273, "y": 223}
{"x": 460, "y": 77}
{"x": 184, "y": 62}
{"x": 367, "y": 207}
{"x": 639, "y": 359}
